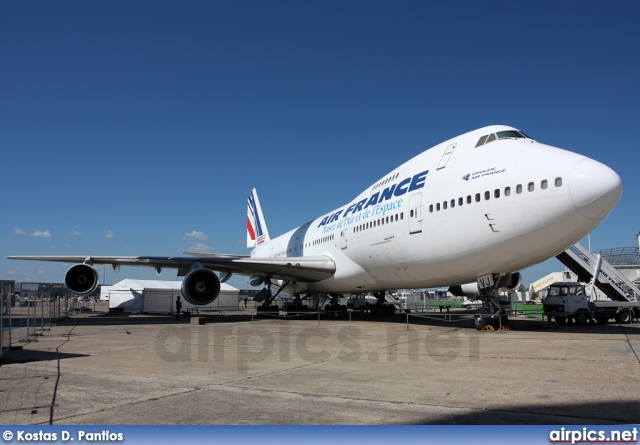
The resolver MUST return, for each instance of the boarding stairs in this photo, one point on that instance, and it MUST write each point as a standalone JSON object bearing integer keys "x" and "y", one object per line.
{"x": 611, "y": 282}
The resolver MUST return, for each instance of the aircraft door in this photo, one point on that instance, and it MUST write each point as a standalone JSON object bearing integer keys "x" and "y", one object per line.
{"x": 343, "y": 238}
{"x": 448, "y": 152}
{"x": 415, "y": 213}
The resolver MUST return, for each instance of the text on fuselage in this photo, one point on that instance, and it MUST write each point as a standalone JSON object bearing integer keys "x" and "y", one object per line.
{"x": 406, "y": 185}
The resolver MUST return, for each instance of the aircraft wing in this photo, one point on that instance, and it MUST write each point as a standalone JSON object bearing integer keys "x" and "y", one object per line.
{"x": 302, "y": 269}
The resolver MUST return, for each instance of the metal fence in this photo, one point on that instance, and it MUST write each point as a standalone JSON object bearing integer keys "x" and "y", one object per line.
{"x": 31, "y": 314}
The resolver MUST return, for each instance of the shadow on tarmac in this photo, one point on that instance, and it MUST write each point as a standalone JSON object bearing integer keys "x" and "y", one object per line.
{"x": 606, "y": 413}
{"x": 28, "y": 356}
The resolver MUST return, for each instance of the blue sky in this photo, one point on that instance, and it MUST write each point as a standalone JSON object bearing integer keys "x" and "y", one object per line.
{"x": 139, "y": 127}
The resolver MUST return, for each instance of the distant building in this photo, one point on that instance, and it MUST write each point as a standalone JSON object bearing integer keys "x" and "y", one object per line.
{"x": 626, "y": 260}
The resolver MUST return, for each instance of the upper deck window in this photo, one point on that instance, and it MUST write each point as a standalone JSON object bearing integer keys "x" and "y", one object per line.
{"x": 507, "y": 134}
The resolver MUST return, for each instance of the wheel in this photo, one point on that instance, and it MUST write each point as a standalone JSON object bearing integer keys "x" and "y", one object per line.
{"x": 623, "y": 317}
{"x": 480, "y": 318}
{"x": 561, "y": 320}
{"x": 602, "y": 319}
{"x": 581, "y": 318}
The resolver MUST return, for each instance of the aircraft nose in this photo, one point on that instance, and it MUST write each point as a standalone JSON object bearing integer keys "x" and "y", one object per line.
{"x": 595, "y": 189}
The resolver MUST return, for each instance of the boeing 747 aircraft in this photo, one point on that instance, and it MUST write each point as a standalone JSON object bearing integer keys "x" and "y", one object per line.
{"x": 477, "y": 208}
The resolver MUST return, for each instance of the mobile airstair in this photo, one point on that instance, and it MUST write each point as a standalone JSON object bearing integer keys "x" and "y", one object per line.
{"x": 611, "y": 282}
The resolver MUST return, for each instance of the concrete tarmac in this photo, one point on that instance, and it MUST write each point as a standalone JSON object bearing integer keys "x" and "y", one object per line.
{"x": 118, "y": 369}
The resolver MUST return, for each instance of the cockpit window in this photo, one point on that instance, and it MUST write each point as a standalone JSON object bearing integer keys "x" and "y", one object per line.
{"x": 482, "y": 140}
{"x": 507, "y": 134}
{"x": 510, "y": 134}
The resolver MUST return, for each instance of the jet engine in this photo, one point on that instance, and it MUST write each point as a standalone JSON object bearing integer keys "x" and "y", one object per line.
{"x": 201, "y": 287}
{"x": 81, "y": 279}
{"x": 510, "y": 282}
{"x": 469, "y": 290}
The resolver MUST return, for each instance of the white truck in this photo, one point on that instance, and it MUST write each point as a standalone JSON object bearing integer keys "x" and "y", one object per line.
{"x": 468, "y": 303}
{"x": 568, "y": 301}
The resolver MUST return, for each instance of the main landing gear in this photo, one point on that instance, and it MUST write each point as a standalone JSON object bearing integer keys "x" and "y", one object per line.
{"x": 265, "y": 295}
{"x": 382, "y": 307}
{"x": 334, "y": 307}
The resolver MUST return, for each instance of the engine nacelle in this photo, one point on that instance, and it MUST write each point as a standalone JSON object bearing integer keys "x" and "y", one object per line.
{"x": 510, "y": 282}
{"x": 513, "y": 281}
{"x": 81, "y": 279}
{"x": 465, "y": 290}
{"x": 201, "y": 287}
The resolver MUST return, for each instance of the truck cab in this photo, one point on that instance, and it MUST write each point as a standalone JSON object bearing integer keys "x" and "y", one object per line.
{"x": 567, "y": 300}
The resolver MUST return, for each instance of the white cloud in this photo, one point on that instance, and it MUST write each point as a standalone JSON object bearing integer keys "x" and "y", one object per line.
{"x": 37, "y": 233}
{"x": 199, "y": 248}
{"x": 196, "y": 235}
{"x": 76, "y": 233}
{"x": 109, "y": 234}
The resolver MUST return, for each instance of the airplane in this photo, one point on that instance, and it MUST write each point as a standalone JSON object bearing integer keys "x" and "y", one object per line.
{"x": 477, "y": 208}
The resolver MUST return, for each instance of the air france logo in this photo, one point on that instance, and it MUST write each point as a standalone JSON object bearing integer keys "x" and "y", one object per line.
{"x": 483, "y": 173}
{"x": 395, "y": 190}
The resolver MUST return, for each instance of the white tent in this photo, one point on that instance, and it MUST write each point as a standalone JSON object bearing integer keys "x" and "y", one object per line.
{"x": 138, "y": 296}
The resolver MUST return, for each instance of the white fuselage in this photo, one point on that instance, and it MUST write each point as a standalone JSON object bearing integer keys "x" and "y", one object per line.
{"x": 456, "y": 212}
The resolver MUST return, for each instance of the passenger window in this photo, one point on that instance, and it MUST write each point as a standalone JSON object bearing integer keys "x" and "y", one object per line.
{"x": 444, "y": 205}
{"x": 544, "y": 184}
{"x": 477, "y": 197}
{"x": 487, "y": 196}
{"x": 519, "y": 189}
{"x": 558, "y": 182}
{"x": 411, "y": 213}
{"x": 453, "y": 203}
{"x": 437, "y": 207}
{"x": 507, "y": 191}
{"x": 460, "y": 201}
{"x": 531, "y": 187}
{"x": 431, "y": 208}
{"x": 496, "y": 193}
{"x": 468, "y": 199}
